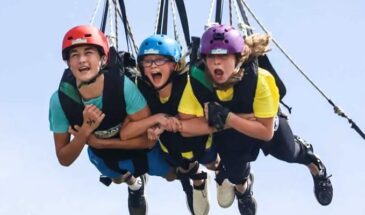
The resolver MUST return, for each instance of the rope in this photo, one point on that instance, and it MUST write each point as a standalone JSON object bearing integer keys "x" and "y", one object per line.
{"x": 209, "y": 15}
{"x": 241, "y": 24}
{"x": 116, "y": 24}
{"x": 158, "y": 15}
{"x": 337, "y": 110}
{"x": 92, "y": 19}
{"x": 129, "y": 32}
{"x": 173, "y": 8}
{"x": 230, "y": 12}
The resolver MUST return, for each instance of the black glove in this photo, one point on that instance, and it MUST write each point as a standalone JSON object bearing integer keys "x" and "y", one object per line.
{"x": 217, "y": 115}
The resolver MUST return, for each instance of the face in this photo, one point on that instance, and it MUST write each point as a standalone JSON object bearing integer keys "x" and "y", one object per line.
{"x": 85, "y": 62}
{"x": 220, "y": 66}
{"x": 158, "y": 69}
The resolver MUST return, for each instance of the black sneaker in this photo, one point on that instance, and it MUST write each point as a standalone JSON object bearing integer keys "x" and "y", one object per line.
{"x": 137, "y": 204}
{"x": 323, "y": 189}
{"x": 246, "y": 202}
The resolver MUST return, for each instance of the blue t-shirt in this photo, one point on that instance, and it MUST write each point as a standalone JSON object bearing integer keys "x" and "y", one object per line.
{"x": 58, "y": 122}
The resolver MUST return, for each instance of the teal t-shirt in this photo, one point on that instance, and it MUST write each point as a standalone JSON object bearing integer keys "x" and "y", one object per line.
{"x": 58, "y": 122}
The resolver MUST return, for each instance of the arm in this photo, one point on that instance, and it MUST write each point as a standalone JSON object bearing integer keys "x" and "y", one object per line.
{"x": 261, "y": 128}
{"x": 68, "y": 151}
{"x": 139, "y": 142}
{"x": 194, "y": 126}
{"x": 138, "y": 123}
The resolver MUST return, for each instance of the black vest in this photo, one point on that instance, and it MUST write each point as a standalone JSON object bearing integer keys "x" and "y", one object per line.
{"x": 114, "y": 108}
{"x": 174, "y": 142}
{"x": 229, "y": 142}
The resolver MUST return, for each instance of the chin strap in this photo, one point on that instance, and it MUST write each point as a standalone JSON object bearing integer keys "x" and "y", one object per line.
{"x": 101, "y": 71}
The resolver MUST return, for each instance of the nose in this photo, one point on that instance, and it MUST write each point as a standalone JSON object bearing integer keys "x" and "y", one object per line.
{"x": 82, "y": 58}
{"x": 216, "y": 59}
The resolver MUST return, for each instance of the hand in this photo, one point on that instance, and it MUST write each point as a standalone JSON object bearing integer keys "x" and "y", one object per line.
{"x": 161, "y": 119}
{"x": 216, "y": 114}
{"x": 93, "y": 117}
{"x": 173, "y": 125}
{"x": 154, "y": 133}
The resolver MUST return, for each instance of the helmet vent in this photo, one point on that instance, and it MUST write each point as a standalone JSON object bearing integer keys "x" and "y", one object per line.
{"x": 88, "y": 35}
{"x": 218, "y": 36}
{"x": 226, "y": 41}
{"x": 159, "y": 43}
{"x": 69, "y": 38}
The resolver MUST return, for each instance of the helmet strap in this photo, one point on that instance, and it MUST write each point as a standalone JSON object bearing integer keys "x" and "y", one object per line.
{"x": 93, "y": 79}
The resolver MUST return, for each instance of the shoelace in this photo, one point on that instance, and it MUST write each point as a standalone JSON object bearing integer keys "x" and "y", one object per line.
{"x": 324, "y": 181}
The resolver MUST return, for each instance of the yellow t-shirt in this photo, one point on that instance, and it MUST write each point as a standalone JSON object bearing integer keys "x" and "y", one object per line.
{"x": 265, "y": 105}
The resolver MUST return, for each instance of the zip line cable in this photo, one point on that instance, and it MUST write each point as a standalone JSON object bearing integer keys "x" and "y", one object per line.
{"x": 337, "y": 110}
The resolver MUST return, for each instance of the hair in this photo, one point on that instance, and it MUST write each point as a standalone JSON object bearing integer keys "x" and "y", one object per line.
{"x": 181, "y": 65}
{"x": 256, "y": 45}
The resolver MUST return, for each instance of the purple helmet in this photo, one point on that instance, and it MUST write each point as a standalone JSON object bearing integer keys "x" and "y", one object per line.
{"x": 221, "y": 39}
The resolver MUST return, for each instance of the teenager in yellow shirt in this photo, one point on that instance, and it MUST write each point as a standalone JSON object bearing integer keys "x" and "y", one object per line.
{"x": 241, "y": 107}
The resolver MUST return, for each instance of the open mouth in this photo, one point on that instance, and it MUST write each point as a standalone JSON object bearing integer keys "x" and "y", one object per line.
{"x": 218, "y": 73}
{"x": 84, "y": 69}
{"x": 156, "y": 77}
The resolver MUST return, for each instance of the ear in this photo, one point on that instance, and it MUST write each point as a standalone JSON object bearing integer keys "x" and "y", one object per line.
{"x": 103, "y": 59}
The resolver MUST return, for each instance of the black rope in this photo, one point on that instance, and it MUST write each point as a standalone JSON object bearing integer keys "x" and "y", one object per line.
{"x": 125, "y": 22}
{"x": 104, "y": 17}
{"x": 230, "y": 13}
{"x": 218, "y": 11}
{"x": 244, "y": 16}
{"x": 184, "y": 20}
{"x": 160, "y": 17}
{"x": 165, "y": 17}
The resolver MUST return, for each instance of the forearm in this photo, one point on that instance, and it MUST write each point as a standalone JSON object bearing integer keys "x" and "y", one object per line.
{"x": 260, "y": 129}
{"x": 132, "y": 129}
{"x": 69, "y": 152}
{"x": 195, "y": 127}
{"x": 139, "y": 142}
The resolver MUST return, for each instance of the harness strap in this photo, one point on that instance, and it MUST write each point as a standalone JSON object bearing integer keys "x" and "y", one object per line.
{"x": 218, "y": 11}
{"x": 184, "y": 20}
{"x": 105, "y": 17}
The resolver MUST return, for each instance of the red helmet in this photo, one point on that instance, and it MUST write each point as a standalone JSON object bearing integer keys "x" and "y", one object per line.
{"x": 84, "y": 34}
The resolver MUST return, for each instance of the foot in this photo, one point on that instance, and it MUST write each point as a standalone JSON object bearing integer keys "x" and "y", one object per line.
{"x": 137, "y": 204}
{"x": 225, "y": 194}
{"x": 200, "y": 200}
{"x": 246, "y": 202}
{"x": 323, "y": 189}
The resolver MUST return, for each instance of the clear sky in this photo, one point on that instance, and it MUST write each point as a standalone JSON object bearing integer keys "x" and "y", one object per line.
{"x": 324, "y": 37}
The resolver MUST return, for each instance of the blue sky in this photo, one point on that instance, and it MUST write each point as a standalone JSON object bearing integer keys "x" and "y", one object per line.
{"x": 324, "y": 37}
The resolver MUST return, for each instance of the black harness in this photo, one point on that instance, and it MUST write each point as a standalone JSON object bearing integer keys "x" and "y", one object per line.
{"x": 114, "y": 108}
{"x": 242, "y": 102}
{"x": 174, "y": 142}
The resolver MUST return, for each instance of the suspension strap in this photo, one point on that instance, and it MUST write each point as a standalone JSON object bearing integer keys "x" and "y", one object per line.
{"x": 218, "y": 11}
{"x": 246, "y": 25}
{"x": 184, "y": 20}
{"x": 105, "y": 16}
{"x": 162, "y": 17}
{"x": 124, "y": 19}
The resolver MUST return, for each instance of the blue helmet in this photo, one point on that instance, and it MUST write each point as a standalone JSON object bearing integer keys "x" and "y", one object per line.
{"x": 160, "y": 45}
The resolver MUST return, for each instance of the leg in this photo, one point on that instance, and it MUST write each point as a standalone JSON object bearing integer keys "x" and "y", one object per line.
{"x": 290, "y": 148}
{"x": 246, "y": 202}
{"x": 200, "y": 203}
{"x": 137, "y": 204}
